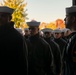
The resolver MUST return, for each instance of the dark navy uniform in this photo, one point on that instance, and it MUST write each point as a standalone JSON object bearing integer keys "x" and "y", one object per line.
{"x": 40, "y": 57}
{"x": 55, "y": 49}
{"x": 56, "y": 54}
{"x": 69, "y": 59}
{"x": 61, "y": 44}
{"x": 13, "y": 51}
{"x": 13, "y": 48}
{"x": 57, "y": 38}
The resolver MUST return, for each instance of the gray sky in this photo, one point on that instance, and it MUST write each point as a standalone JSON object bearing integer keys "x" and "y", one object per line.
{"x": 47, "y": 10}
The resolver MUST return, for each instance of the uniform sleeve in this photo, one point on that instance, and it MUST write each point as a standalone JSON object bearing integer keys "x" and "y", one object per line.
{"x": 23, "y": 57}
{"x": 49, "y": 63}
{"x": 73, "y": 53}
{"x": 58, "y": 61}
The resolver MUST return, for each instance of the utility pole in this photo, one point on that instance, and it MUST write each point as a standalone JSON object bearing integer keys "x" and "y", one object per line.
{"x": 73, "y": 2}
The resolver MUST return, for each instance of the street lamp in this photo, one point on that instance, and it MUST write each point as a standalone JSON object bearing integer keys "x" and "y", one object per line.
{"x": 73, "y": 2}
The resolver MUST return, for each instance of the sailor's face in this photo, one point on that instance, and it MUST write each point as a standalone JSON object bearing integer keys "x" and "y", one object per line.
{"x": 3, "y": 18}
{"x": 47, "y": 34}
{"x": 68, "y": 21}
{"x": 33, "y": 30}
{"x": 57, "y": 35}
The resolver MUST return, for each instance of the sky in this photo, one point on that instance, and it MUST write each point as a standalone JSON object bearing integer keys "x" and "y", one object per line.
{"x": 46, "y": 10}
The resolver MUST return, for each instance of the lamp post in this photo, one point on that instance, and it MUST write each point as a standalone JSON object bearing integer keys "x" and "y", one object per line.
{"x": 73, "y": 2}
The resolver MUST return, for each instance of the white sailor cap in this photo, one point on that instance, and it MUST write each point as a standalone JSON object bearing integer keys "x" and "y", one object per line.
{"x": 71, "y": 9}
{"x": 46, "y": 30}
{"x": 33, "y": 23}
{"x": 6, "y": 9}
{"x": 65, "y": 29}
{"x": 26, "y": 29}
{"x": 18, "y": 29}
{"x": 57, "y": 31}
